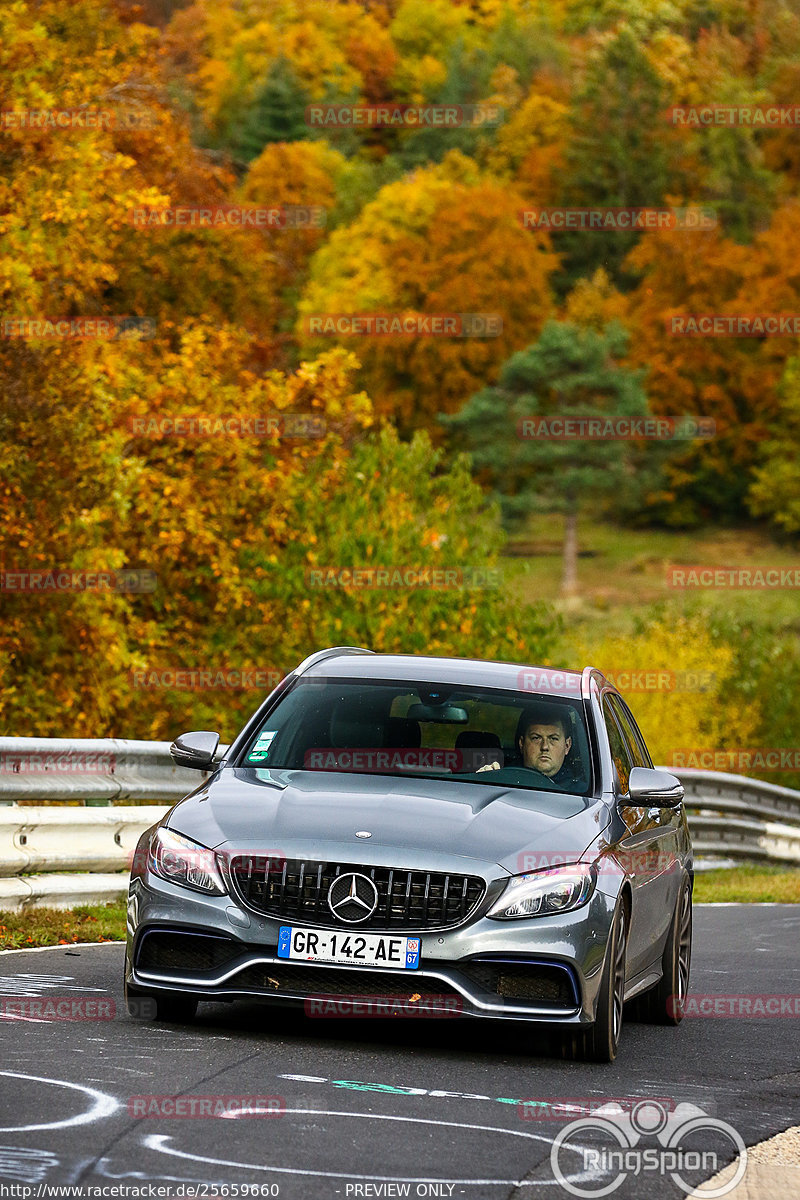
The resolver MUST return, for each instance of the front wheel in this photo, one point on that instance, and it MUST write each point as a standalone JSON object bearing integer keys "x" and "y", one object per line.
{"x": 174, "y": 1007}
{"x": 600, "y": 1042}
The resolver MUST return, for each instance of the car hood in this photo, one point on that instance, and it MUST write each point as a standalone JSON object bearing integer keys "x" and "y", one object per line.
{"x": 419, "y": 824}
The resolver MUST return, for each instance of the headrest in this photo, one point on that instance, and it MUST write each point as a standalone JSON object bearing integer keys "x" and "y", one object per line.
{"x": 476, "y": 739}
{"x": 403, "y": 732}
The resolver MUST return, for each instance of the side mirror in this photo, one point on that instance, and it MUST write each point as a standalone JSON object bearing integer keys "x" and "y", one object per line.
{"x": 658, "y": 789}
{"x": 195, "y": 750}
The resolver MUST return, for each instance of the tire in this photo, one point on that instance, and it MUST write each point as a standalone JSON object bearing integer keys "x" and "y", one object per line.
{"x": 173, "y": 1007}
{"x": 600, "y": 1042}
{"x": 664, "y": 1003}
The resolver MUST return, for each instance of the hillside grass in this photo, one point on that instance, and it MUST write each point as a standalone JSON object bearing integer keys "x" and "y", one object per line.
{"x": 622, "y": 571}
{"x": 62, "y": 927}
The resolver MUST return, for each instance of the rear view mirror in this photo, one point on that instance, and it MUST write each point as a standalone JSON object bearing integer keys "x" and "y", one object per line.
{"x": 195, "y": 750}
{"x": 444, "y": 714}
{"x": 658, "y": 789}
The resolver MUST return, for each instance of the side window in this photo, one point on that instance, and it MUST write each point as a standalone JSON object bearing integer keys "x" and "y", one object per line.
{"x": 619, "y": 752}
{"x": 630, "y": 731}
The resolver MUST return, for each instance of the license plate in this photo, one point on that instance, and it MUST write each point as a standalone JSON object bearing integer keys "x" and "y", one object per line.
{"x": 337, "y": 946}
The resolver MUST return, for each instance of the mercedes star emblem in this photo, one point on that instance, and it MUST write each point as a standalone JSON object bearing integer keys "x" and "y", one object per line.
{"x": 352, "y": 898}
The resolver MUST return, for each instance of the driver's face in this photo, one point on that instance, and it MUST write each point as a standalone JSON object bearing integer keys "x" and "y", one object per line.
{"x": 544, "y": 748}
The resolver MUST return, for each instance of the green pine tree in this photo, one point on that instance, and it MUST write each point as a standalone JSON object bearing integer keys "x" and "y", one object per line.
{"x": 570, "y": 371}
{"x": 277, "y": 114}
{"x": 616, "y": 157}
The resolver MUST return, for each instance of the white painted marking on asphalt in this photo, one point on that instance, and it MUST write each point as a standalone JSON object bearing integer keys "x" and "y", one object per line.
{"x": 158, "y": 1141}
{"x": 27, "y": 984}
{"x": 306, "y": 1078}
{"x": 435, "y": 1094}
{"x": 104, "y": 1105}
{"x": 65, "y": 948}
{"x": 26, "y": 1164}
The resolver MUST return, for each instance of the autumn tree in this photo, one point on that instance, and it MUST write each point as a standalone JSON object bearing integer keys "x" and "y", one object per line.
{"x": 400, "y": 504}
{"x": 444, "y": 240}
{"x": 775, "y": 490}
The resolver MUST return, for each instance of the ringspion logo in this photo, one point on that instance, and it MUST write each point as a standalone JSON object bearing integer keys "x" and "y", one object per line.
{"x": 685, "y": 1144}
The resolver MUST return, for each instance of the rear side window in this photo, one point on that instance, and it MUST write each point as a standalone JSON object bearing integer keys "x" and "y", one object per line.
{"x": 630, "y": 730}
{"x": 619, "y": 751}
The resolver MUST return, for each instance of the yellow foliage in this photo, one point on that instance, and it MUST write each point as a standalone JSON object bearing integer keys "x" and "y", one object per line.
{"x": 688, "y": 704}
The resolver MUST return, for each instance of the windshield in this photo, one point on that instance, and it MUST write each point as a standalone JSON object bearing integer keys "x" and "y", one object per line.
{"x": 478, "y": 735}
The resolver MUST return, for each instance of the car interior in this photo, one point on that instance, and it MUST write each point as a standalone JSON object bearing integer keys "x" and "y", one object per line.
{"x": 479, "y": 725}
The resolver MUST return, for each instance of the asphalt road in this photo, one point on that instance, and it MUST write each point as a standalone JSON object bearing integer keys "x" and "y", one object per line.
{"x": 379, "y": 1108}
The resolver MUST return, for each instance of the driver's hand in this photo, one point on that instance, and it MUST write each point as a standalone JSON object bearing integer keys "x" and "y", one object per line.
{"x": 492, "y": 766}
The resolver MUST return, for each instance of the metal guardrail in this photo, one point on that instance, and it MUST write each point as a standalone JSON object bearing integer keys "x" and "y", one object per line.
{"x": 96, "y": 771}
{"x": 731, "y": 817}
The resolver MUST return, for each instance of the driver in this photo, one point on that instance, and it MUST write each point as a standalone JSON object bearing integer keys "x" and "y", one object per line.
{"x": 543, "y": 741}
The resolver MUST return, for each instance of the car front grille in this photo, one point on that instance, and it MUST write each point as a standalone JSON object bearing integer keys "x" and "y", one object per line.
{"x": 278, "y": 978}
{"x": 297, "y": 890}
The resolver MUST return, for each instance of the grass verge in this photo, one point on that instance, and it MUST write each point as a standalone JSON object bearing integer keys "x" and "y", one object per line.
{"x": 62, "y": 927}
{"x": 748, "y": 885}
{"x": 106, "y": 922}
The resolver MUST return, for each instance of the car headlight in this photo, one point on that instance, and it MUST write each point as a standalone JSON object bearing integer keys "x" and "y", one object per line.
{"x": 542, "y": 893}
{"x": 184, "y": 862}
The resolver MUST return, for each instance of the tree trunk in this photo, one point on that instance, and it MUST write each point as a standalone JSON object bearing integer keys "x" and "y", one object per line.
{"x": 569, "y": 579}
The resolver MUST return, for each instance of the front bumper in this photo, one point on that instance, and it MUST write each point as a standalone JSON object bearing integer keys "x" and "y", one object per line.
{"x": 541, "y": 969}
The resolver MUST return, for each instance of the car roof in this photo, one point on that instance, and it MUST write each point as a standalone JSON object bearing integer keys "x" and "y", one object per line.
{"x": 347, "y": 662}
